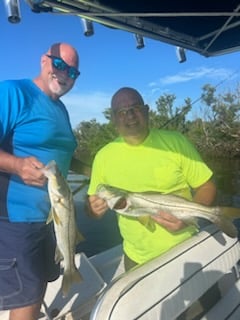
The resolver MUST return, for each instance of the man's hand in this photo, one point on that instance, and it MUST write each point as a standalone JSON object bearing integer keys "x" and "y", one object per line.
{"x": 97, "y": 206}
{"x": 168, "y": 221}
{"x": 28, "y": 170}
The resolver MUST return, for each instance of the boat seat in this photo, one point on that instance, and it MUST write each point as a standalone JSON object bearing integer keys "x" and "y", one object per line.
{"x": 165, "y": 287}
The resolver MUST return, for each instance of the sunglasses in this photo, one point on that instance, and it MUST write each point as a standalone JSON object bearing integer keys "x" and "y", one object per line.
{"x": 61, "y": 65}
{"x": 136, "y": 109}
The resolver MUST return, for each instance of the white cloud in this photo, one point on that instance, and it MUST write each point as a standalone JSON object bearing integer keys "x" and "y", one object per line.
{"x": 196, "y": 74}
{"x": 86, "y": 106}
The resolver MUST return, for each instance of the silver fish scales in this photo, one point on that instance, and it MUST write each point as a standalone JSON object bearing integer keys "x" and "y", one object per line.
{"x": 63, "y": 215}
{"x": 140, "y": 204}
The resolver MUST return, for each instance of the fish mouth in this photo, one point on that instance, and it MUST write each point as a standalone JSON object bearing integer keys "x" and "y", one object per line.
{"x": 120, "y": 204}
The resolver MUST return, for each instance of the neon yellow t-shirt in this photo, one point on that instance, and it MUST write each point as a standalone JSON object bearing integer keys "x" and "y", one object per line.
{"x": 165, "y": 162}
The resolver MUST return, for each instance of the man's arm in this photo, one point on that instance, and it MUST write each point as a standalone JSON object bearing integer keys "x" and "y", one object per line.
{"x": 206, "y": 193}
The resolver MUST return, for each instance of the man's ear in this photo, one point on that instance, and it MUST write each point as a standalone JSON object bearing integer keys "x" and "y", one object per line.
{"x": 146, "y": 109}
{"x": 112, "y": 117}
{"x": 43, "y": 60}
{"x": 146, "y": 106}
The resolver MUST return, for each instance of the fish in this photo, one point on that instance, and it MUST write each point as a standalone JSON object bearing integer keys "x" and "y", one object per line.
{"x": 62, "y": 214}
{"x": 142, "y": 204}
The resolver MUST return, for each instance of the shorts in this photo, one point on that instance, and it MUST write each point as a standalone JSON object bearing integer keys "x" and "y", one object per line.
{"x": 27, "y": 263}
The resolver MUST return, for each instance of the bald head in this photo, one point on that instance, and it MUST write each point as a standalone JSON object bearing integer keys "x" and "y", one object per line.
{"x": 124, "y": 96}
{"x": 66, "y": 52}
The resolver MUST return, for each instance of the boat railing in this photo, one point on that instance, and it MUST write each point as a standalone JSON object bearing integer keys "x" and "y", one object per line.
{"x": 77, "y": 182}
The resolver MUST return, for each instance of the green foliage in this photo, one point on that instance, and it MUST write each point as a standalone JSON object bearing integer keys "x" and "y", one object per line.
{"x": 216, "y": 133}
{"x": 168, "y": 116}
{"x": 91, "y": 137}
{"x": 220, "y": 128}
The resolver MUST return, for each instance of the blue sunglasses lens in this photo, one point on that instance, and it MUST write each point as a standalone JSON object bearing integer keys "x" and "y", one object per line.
{"x": 61, "y": 65}
{"x": 73, "y": 73}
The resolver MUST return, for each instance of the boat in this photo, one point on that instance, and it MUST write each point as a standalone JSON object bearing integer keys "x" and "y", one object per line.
{"x": 168, "y": 287}
{"x": 164, "y": 288}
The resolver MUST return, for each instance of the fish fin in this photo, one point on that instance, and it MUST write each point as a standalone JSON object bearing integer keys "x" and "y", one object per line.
{"x": 63, "y": 201}
{"x": 50, "y": 217}
{"x": 147, "y": 222}
{"x": 230, "y": 212}
{"x": 56, "y": 218}
{"x": 79, "y": 237}
{"x": 69, "y": 278}
{"x": 144, "y": 219}
{"x": 58, "y": 255}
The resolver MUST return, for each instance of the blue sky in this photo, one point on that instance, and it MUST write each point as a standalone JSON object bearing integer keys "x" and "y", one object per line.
{"x": 109, "y": 60}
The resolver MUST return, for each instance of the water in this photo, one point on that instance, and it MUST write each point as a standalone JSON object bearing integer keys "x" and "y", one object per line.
{"x": 102, "y": 234}
{"x": 227, "y": 178}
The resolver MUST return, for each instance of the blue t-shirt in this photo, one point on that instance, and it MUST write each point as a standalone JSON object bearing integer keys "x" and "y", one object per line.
{"x": 31, "y": 124}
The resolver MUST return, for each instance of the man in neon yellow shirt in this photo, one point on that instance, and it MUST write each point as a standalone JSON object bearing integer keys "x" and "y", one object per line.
{"x": 144, "y": 159}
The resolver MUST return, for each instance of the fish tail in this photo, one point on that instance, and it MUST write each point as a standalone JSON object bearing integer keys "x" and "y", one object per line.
{"x": 69, "y": 278}
{"x": 230, "y": 212}
{"x": 225, "y": 225}
{"x": 50, "y": 217}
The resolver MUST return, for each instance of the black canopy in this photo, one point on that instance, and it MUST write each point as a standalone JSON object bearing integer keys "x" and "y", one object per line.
{"x": 210, "y": 27}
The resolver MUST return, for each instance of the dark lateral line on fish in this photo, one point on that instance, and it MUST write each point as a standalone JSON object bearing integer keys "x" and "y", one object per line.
{"x": 178, "y": 206}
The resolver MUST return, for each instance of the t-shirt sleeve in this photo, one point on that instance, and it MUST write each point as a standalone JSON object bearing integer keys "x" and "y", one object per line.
{"x": 95, "y": 175}
{"x": 194, "y": 168}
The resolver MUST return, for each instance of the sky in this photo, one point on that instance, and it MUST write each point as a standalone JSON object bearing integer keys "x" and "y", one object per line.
{"x": 109, "y": 60}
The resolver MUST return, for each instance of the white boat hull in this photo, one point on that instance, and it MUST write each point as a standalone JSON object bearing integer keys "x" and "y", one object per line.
{"x": 161, "y": 289}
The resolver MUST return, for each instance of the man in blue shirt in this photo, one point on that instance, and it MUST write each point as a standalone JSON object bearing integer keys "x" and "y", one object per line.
{"x": 34, "y": 129}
